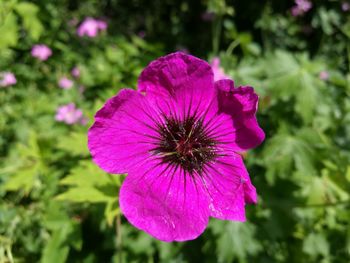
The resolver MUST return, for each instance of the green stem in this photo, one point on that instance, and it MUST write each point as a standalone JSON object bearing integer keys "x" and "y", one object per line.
{"x": 119, "y": 238}
{"x": 217, "y": 34}
{"x": 232, "y": 46}
{"x": 9, "y": 254}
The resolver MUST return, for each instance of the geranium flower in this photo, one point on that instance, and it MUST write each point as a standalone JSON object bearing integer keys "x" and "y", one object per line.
{"x": 41, "y": 52}
{"x": 65, "y": 83}
{"x": 69, "y": 114}
{"x": 345, "y": 6}
{"x": 208, "y": 16}
{"x": 75, "y": 72}
{"x": 91, "y": 27}
{"x": 301, "y": 7}
{"x": 7, "y": 79}
{"x": 177, "y": 137}
{"x": 324, "y": 75}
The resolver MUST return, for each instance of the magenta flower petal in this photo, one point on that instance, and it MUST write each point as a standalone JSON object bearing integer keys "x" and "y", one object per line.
{"x": 177, "y": 137}
{"x": 241, "y": 104}
{"x": 181, "y": 77}
{"x": 121, "y": 136}
{"x": 229, "y": 187}
{"x": 167, "y": 204}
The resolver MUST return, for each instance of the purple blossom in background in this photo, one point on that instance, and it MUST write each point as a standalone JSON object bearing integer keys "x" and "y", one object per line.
{"x": 345, "y": 6}
{"x": 7, "y": 79}
{"x": 75, "y": 72}
{"x": 178, "y": 137}
{"x": 301, "y": 7}
{"x": 208, "y": 16}
{"x": 91, "y": 27}
{"x": 324, "y": 75}
{"x": 69, "y": 114}
{"x": 84, "y": 121}
{"x": 81, "y": 89}
{"x": 41, "y": 52}
{"x": 102, "y": 25}
{"x": 141, "y": 34}
{"x": 65, "y": 83}
{"x": 218, "y": 71}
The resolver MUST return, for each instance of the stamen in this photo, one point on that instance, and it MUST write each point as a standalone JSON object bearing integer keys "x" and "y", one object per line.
{"x": 185, "y": 143}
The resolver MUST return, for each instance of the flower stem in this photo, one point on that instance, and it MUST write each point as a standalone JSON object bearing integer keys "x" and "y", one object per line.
{"x": 118, "y": 228}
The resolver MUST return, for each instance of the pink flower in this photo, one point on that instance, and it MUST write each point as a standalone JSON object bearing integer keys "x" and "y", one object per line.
{"x": 75, "y": 72}
{"x": 69, "y": 114}
{"x": 101, "y": 25}
{"x": 324, "y": 75}
{"x": 178, "y": 138}
{"x": 345, "y": 6}
{"x": 65, "y": 83}
{"x": 208, "y": 16}
{"x": 7, "y": 79}
{"x": 296, "y": 11}
{"x": 41, "y": 52}
{"x": 141, "y": 34}
{"x": 84, "y": 121}
{"x": 301, "y": 7}
{"x": 81, "y": 89}
{"x": 218, "y": 71}
{"x": 304, "y": 5}
{"x": 91, "y": 27}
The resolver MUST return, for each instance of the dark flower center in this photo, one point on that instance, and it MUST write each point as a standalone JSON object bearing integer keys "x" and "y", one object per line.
{"x": 185, "y": 143}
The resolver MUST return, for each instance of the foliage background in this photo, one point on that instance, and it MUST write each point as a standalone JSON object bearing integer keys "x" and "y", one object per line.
{"x": 57, "y": 206}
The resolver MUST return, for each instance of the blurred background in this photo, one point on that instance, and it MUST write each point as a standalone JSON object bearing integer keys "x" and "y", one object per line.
{"x": 59, "y": 62}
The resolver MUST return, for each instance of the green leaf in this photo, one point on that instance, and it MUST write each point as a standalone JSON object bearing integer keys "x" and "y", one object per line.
{"x": 75, "y": 144}
{"x": 316, "y": 244}
{"x": 89, "y": 184}
{"x": 23, "y": 179}
{"x": 32, "y": 24}
{"x": 9, "y": 31}
{"x": 347, "y": 175}
{"x": 285, "y": 152}
{"x": 86, "y": 174}
{"x": 84, "y": 194}
{"x": 235, "y": 240}
{"x": 30, "y": 166}
{"x": 295, "y": 77}
{"x": 56, "y": 250}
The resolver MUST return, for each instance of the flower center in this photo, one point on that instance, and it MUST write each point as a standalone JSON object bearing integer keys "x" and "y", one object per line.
{"x": 185, "y": 143}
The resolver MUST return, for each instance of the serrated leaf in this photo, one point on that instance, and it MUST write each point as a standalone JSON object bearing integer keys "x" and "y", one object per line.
{"x": 294, "y": 77}
{"x": 86, "y": 174}
{"x": 284, "y": 152}
{"x": 75, "y": 144}
{"x": 235, "y": 240}
{"x": 83, "y": 194}
{"x": 22, "y": 179}
{"x": 316, "y": 244}
{"x": 88, "y": 183}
